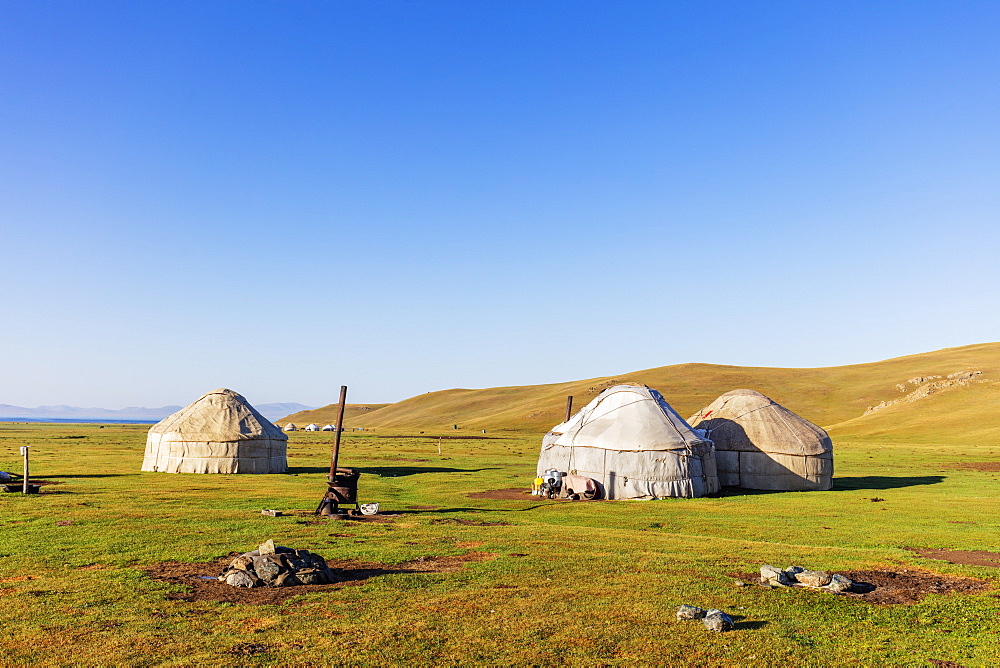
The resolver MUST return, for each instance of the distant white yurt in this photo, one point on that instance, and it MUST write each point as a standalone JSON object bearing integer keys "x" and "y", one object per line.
{"x": 634, "y": 445}
{"x": 760, "y": 444}
{"x": 218, "y": 433}
{"x": 329, "y": 427}
{"x": 312, "y": 427}
{"x": 290, "y": 427}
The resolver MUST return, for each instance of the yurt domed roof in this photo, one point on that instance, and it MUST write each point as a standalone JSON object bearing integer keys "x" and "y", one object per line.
{"x": 219, "y": 415}
{"x": 626, "y": 417}
{"x": 747, "y": 420}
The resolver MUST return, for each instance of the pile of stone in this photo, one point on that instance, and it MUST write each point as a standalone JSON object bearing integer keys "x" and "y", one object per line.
{"x": 714, "y": 620}
{"x": 796, "y": 576}
{"x": 273, "y": 565}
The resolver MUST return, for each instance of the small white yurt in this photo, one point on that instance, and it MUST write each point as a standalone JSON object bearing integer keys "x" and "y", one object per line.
{"x": 218, "y": 433}
{"x": 291, "y": 427}
{"x": 329, "y": 427}
{"x": 760, "y": 444}
{"x": 634, "y": 445}
{"x": 312, "y": 427}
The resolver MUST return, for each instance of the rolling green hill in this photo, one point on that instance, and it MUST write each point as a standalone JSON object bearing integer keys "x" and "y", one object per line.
{"x": 828, "y": 396}
{"x": 353, "y": 413}
{"x": 966, "y": 415}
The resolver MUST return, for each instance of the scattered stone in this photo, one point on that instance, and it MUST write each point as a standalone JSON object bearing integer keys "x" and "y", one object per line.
{"x": 277, "y": 566}
{"x": 839, "y": 583}
{"x": 814, "y": 579}
{"x": 717, "y": 620}
{"x": 796, "y": 576}
{"x": 237, "y": 578}
{"x": 689, "y": 612}
{"x": 298, "y": 562}
{"x": 285, "y": 579}
{"x": 242, "y": 562}
{"x": 266, "y": 569}
{"x": 270, "y": 513}
{"x": 310, "y": 576}
{"x": 739, "y": 583}
{"x": 775, "y": 577}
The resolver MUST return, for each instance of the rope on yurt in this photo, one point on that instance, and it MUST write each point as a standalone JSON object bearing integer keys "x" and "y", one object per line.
{"x": 790, "y": 429}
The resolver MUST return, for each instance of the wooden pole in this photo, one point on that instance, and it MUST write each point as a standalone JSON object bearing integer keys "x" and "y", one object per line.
{"x": 24, "y": 483}
{"x": 336, "y": 435}
{"x": 439, "y": 445}
{"x": 569, "y": 408}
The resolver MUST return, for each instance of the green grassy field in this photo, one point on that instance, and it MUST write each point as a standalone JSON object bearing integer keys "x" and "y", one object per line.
{"x": 563, "y": 583}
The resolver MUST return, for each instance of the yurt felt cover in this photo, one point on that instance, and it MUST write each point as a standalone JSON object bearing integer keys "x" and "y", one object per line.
{"x": 634, "y": 445}
{"x": 760, "y": 444}
{"x": 218, "y": 433}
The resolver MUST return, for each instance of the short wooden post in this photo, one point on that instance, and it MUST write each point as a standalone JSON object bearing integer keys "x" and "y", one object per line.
{"x": 569, "y": 408}
{"x": 24, "y": 483}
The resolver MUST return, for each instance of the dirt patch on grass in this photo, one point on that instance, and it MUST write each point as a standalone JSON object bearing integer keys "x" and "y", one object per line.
{"x": 976, "y": 466}
{"x": 964, "y": 557}
{"x": 909, "y": 586}
{"x": 200, "y": 578}
{"x": 309, "y": 518}
{"x": 509, "y": 494}
{"x": 381, "y": 518}
{"x": 249, "y": 649}
{"x": 902, "y": 587}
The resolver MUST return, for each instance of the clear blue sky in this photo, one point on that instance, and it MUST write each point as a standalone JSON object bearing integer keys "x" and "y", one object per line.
{"x": 283, "y": 197}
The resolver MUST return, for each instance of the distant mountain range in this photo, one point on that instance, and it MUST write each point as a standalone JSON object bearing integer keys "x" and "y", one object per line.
{"x": 8, "y": 412}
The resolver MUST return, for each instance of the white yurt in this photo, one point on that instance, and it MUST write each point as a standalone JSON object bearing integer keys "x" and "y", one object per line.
{"x": 760, "y": 444}
{"x": 312, "y": 427}
{"x": 290, "y": 427}
{"x": 634, "y": 445}
{"x": 219, "y": 433}
{"x": 329, "y": 427}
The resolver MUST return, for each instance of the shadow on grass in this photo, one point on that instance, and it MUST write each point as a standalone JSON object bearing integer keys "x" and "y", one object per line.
{"x": 89, "y": 475}
{"x": 740, "y": 491}
{"x": 847, "y": 483}
{"x": 442, "y": 511}
{"x": 389, "y": 471}
{"x": 884, "y": 482}
{"x": 362, "y": 574}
